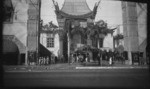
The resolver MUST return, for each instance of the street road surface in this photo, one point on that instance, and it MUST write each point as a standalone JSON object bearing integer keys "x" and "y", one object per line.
{"x": 101, "y": 78}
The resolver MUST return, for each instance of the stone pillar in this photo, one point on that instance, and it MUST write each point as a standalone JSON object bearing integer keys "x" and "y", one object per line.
{"x": 26, "y": 57}
{"x": 113, "y": 43}
{"x": 130, "y": 28}
{"x": 129, "y": 58}
{"x": 33, "y": 26}
{"x": 98, "y": 45}
{"x": 68, "y": 47}
{"x": 61, "y": 46}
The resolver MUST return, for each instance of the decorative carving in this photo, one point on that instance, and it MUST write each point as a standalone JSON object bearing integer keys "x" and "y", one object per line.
{"x": 95, "y": 8}
{"x": 34, "y": 2}
{"x": 118, "y": 37}
{"x": 33, "y": 12}
{"x": 32, "y": 17}
{"x": 56, "y": 7}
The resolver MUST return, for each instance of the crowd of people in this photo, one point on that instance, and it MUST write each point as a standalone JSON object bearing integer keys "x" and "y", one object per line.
{"x": 43, "y": 60}
{"x": 108, "y": 55}
{"x": 99, "y": 56}
{"x": 80, "y": 57}
{"x": 46, "y": 60}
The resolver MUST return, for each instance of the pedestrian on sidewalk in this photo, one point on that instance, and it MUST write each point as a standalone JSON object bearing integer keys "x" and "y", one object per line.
{"x": 62, "y": 59}
{"x": 39, "y": 61}
{"x": 110, "y": 57}
{"x": 86, "y": 57}
{"x": 47, "y": 60}
{"x": 72, "y": 58}
{"x": 77, "y": 57}
{"x": 56, "y": 59}
{"x": 98, "y": 58}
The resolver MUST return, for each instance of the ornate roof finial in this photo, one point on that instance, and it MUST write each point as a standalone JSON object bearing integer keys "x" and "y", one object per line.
{"x": 95, "y": 7}
{"x": 56, "y": 7}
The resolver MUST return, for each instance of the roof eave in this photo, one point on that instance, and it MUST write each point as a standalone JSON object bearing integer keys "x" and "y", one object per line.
{"x": 87, "y": 15}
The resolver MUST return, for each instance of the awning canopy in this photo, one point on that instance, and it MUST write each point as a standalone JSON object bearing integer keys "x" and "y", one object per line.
{"x": 9, "y": 46}
{"x": 44, "y": 51}
{"x": 143, "y": 45}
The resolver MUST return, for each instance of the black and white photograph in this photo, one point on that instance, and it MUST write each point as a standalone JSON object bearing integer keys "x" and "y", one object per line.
{"x": 74, "y": 44}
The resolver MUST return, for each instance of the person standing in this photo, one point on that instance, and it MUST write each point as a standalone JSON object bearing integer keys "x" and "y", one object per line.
{"x": 39, "y": 61}
{"x": 47, "y": 60}
{"x": 86, "y": 58}
{"x": 62, "y": 58}
{"x": 98, "y": 58}
{"x": 77, "y": 57}
{"x": 72, "y": 58}
{"x": 110, "y": 57}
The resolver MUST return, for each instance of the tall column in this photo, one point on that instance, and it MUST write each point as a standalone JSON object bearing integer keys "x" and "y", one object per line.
{"x": 33, "y": 27}
{"x": 67, "y": 28}
{"x": 130, "y": 28}
{"x": 68, "y": 47}
{"x": 113, "y": 43}
{"x": 98, "y": 44}
{"x": 26, "y": 57}
{"x": 61, "y": 46}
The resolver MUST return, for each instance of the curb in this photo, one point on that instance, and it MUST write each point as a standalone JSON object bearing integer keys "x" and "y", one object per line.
{"x": 131, "y": 67}
{"x": 76, "y": 68}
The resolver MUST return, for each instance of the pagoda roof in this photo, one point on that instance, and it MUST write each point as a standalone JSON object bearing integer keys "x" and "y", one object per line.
{"x": 75, "y": 7}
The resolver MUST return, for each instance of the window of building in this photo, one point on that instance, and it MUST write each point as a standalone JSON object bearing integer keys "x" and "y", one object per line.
{"x": 8, "y": 11}
{"x": 50, "y": 42}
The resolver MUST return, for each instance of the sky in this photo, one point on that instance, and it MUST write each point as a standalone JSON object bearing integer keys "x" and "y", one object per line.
{"x": 108, "y": 10}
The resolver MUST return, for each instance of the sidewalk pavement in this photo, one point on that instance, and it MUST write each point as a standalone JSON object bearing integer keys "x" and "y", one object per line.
{"x": 69, "y": 66}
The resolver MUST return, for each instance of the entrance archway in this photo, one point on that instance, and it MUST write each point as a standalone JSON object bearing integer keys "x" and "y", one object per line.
{"x": 12, "y": 39}
{"x": 10, "y": 52}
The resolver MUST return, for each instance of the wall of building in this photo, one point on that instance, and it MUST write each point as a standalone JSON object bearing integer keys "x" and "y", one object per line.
{"x": 33, "y": 25}
{"x": 108, "y": 41}
{"x": 19, "y": 25}
{"x": 56, "y": 49}
{"x": 134, "y": 27}
{"x": 142, "y": 25}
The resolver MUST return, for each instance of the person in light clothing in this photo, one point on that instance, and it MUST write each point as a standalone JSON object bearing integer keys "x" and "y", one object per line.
{"x": 77, "y": 57}
{"x": 47, "y": 60}
{"x": 110, "y": 57}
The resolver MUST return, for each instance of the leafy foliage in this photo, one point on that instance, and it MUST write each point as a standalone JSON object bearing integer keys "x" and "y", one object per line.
{"x": 52, "y": 29}
{"x": 99, "y": 29}
{"x": 118, "y": 36}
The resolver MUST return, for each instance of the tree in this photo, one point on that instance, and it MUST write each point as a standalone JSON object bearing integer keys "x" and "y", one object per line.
{"x": 98, "y": 31}
{"x": 118, "y": 37}
{"x": 52, "y": 29}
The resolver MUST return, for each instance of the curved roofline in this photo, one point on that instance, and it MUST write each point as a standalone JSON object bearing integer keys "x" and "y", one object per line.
{"x": 63, "y": 5}
{"x": 87, "y": 15}
{"x": 88, "y": 6}
{"x": 85, "y": 4}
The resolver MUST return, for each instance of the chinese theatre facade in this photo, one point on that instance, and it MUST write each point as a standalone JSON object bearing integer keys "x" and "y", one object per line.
{"x": 73, "y": 18}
